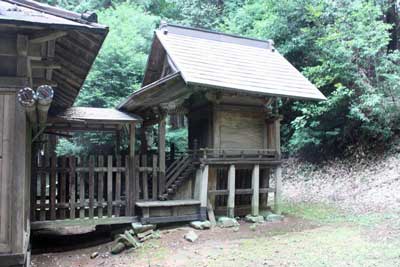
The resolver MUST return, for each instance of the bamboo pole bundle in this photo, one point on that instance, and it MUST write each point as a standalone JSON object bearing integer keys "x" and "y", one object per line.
{"x": 45, "y": 96}
{"x": 27, "y": 98}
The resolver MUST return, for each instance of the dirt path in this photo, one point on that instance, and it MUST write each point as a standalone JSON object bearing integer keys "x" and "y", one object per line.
{"x": 294, "y": 242}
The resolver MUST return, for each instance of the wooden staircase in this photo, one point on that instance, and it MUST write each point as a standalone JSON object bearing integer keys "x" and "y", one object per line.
{"x": 176, "y": 174}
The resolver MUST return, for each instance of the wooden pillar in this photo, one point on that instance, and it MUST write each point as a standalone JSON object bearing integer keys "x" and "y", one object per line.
{"x": 204, "y": 187}
{"x": 231, "y": 189}
{"x": 264, "y": 183}
{"x": 143, "y": 140}
{"x": 278, "y": 189}
{"x": 212, "y": 184}
{"x": 255, "y": 185}
{"x": 131, "y": 180}
{"x": 161, "y": 154}
{"x": 197, "y": 184}
{"x": 277, "y": 134}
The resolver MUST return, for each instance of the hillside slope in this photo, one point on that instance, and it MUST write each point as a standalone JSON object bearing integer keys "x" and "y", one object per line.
{"x": 361, "y": 184}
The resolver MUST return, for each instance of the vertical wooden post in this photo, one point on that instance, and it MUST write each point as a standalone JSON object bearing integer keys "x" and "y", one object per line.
{"x": 212, "y": 185}
{"x": 197, "y": 184}
{"x": 118, "y": 187}
{"x": 131, "y": 196}
{"x": 278, "y": 189}
{"x": 63, "y": 186}
{"x": 255, "y": 185}
{"x": 154, "y": 178}
{"x": 204, "y": 188}
{"x": 82, "y": 189}
{"x": 53, "y": 178}
{"x": 277, "y": 134}
{"x": 118, "y": 142}
{"x": 72, "y": 184}
{"x": 91, "y": 186}
{"x": 145, "y": 182}
{"x": 264, "y": 183}
{"x": 161, "y": 154}
{"x": 100, "y": 188}
{"x": 231, "y": 189}
{"x": 109, "y": 186}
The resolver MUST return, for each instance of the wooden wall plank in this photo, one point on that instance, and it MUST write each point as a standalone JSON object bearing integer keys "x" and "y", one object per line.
{"x": 63, "y": 186}
{"x": 118, "y": 186}
{"x": 91, "y": 187}
{"x": 154, "y": 178}
{"x": 145, "y": 189}
{"x": 82, "y": 190}
{"x": 109, "y": 186}
{"x": 72, "y": 189}
{"x": 100, "y": 188}
{"x": 43, "y": 185}
{"x": 53, "y": 178}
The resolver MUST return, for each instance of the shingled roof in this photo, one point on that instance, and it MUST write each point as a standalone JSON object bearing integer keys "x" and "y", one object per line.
{"x": 228, "y": 62}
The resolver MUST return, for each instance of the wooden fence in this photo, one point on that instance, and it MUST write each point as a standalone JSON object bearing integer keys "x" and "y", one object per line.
{"x": 95, "y": 187}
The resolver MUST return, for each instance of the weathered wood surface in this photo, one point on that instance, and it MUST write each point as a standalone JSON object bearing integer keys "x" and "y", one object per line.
{"x": 94, "y": 190}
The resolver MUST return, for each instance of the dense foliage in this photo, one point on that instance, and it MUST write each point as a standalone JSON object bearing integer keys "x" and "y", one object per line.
{"x": 348, "y": 48}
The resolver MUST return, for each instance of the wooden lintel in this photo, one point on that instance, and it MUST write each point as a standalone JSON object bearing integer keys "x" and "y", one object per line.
{"x": 48, "y": 64}
{"x": 38, "y": 82}
{"x": 45, "y": 37}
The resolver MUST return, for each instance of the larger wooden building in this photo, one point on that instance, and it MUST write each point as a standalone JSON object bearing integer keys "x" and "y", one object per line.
{"x": 227, "y": 87}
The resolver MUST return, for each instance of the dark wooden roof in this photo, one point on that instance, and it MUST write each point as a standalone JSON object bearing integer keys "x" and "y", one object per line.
{"x": 227, "y": 62}
{"x": 74, "y": 52}
{"x": 90, "y": 119}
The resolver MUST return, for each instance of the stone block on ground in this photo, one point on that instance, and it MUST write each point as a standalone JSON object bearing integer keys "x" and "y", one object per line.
{"x": 200, "y": 225}
{"x": 191, "y": 236}
{"x": 273, "y": 217}
{"x": 226, "y": 222}
{"x": 140, "y": 228}
{"x": 254, "y": 219}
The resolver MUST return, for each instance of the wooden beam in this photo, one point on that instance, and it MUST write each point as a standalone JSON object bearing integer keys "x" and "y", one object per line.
{"x": 39, "y": 81}
{"x": 47, "y": 64}
{"x": 255, "y": 185}
{"x": 46, "y": 36}
{"x": 231, "y": 188}
{"x": 13, "y": 81}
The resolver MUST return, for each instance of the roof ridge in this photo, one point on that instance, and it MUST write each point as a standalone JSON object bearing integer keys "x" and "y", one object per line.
{"x": 212, "y": 31}
{"x": 55, "y": 11}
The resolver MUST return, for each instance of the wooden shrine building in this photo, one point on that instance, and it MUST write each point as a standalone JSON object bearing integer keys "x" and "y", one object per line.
{"x": 228, "y": 87}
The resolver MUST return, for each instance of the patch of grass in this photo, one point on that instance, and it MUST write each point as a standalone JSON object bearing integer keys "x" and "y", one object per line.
{"x": 325, "y": 213}
{"x": 319, "y": 212}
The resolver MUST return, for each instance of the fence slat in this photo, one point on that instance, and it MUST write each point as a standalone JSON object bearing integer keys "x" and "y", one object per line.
{"x": 118, "y": 186}
{"x": 100, "y": 185}
{"x": 53, "y": 188}
{"x": 43, "y": 185}
{"x": 154, "y": 178}
{"x": 109, "y": 186}
{"x": 81, "y": 190}
{"x": 63, "y": 187}
{"x": 91, "y": 187}
{"x": 128, "y": 194}
{"x": 72, "y": 177}
{"x": 145, "y": 189}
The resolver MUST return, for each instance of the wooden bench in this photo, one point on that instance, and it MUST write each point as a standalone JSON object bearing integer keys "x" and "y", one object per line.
{"x": 170, "y": 211}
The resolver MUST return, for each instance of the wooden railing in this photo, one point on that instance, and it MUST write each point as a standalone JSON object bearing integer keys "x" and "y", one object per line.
{"x": 237, "y": 155}
{"x": 94, "y": 187}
